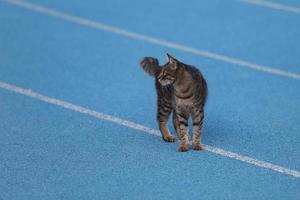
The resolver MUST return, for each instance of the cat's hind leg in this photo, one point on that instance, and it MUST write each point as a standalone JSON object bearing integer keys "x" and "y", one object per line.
{"x": 197, "y": 116}
{"x": 176, "y": 124}
{"x": 183, "y": 117}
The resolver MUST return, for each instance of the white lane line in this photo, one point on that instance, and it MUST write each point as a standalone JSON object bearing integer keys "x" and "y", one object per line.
{"x": 103, "y": 116}
{"x": 152, "y": 40}
{"x": 273, "y": 5}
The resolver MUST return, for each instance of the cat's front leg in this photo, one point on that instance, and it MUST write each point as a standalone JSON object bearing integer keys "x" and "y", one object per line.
{"x": 163, "y": 114}
{"x": 182, "y": 117}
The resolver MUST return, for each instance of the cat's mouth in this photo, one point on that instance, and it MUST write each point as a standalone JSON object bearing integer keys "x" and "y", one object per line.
{"x": 165, "y": 82}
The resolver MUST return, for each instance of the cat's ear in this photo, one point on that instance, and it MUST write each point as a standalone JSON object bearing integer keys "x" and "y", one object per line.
{"x": 170, "y": 59}
{"x": 173, "y": 62}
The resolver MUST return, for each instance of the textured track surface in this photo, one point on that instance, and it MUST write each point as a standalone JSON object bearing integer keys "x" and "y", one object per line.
{"x": 48, "y": 152}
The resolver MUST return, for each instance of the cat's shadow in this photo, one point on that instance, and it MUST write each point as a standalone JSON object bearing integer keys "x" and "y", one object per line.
{"x": 221, "y": 131}
{"x": 215, "y": 131}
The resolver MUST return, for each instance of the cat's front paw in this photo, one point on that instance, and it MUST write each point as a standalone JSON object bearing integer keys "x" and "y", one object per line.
{"x": 197, "y": 146}
{"x": 169, "y": 138}
{"x": 183, "y": 148}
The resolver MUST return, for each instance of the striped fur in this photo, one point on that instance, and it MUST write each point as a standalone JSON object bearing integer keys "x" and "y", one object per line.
{"x": 181, "y": 89}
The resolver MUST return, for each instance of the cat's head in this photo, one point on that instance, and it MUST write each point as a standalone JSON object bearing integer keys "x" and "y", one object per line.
{"x": 168, "y": 74}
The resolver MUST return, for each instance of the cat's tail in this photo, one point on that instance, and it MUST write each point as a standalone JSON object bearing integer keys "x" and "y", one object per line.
{"x": 151, "y": 66}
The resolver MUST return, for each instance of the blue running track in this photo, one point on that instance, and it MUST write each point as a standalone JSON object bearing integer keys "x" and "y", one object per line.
{"x": 87, "y": 53}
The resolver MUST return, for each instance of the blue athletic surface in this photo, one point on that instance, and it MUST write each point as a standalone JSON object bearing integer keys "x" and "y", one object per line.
{"x": 47, "y": 152}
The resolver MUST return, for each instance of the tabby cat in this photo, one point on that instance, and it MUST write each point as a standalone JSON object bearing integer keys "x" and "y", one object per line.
{"x": 181, "y": 89}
